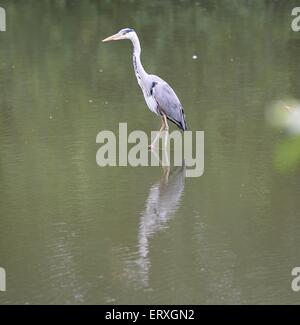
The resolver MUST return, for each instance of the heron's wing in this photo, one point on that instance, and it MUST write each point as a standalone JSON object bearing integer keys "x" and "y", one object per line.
{"x": 168, "y": 102}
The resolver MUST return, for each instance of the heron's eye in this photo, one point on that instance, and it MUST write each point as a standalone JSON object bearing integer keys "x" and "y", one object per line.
{"x": 127, "y": 30}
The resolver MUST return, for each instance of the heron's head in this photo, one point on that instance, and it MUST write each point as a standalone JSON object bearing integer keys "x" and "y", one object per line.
{"x": 125, "y": 33}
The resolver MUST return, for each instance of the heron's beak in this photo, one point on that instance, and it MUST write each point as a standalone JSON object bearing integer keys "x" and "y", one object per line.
{"x": 114, "y": 37}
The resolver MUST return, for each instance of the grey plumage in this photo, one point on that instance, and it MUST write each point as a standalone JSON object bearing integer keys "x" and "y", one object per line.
{"x": 168, "y": 102}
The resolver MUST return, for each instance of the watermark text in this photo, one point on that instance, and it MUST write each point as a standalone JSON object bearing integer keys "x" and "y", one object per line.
{"x": 296, "y": 281}
{"x": 2, "y": 279}
{"x": 296, "y": 21}
{"x": 2, "y": 20}
{"x": 131, "y": 149}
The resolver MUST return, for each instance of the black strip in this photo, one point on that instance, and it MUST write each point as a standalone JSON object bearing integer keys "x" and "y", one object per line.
{"x": 152, "y": 86}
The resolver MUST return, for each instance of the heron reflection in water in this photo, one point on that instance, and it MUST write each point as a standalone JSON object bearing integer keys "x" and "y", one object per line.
{"x": 161, "y": 205}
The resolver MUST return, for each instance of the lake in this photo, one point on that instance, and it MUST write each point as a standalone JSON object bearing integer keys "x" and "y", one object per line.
{"x": 75, "y": 233}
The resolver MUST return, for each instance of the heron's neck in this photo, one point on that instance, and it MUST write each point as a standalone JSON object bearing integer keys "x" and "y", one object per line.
{"x": 137, "y": 65}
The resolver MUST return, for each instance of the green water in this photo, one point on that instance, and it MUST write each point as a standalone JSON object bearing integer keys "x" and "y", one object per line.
{"x": 72, "y": 232}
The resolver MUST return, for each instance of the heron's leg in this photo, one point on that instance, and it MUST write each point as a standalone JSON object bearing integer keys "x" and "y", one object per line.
{"x": 165, "y": 137}
{"x": 166, "y": 167}
{"x": 152, "y": 145}
{"x": 165, "y": 158}
{"x": 166, "y": 122}
{"x": 166, "y": 129}
{"x": 166, "y": 173}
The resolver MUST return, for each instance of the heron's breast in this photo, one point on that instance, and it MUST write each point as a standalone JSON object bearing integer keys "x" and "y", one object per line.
{"x": 151, "y": 103}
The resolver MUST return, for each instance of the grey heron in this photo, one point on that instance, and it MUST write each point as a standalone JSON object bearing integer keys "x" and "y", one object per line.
{"x": 159, "y": 96}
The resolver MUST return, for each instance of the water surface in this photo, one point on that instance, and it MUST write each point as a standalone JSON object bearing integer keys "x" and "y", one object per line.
{"x": 72, "y": 232}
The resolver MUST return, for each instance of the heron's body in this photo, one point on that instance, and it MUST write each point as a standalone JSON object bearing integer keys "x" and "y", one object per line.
{"x": 159, "y": 96}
